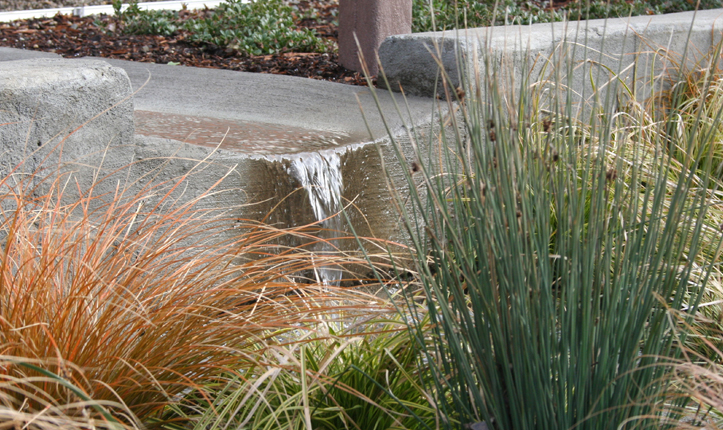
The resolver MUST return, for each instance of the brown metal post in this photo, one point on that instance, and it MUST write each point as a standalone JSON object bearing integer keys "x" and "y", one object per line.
{"x": 372, "y": 21}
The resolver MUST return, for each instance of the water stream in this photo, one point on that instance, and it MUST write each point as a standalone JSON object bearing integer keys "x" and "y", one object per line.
{"x": 315, "y": 166}
{"x": 320, "y": 175}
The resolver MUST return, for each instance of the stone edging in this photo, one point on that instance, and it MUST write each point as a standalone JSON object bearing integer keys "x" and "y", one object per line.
{"x": 616, "y": 43}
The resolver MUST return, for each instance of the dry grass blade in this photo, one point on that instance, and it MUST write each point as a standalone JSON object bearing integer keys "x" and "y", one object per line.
{"x": 134, "y": 302}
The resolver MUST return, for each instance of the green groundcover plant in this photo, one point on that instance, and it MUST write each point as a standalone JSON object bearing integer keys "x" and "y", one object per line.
{"x": 250, "y": 28}
{"x": 563, "y": 250}
{"x": 255, "y": 28}
{"x": 335, "y": 375}
{"x": 262, "y": 27}
{"x": 430, "y": 15}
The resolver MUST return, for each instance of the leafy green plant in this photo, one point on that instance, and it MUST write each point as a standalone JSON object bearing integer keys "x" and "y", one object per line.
{"x": 134, "y": 20}
{"x": 255, "y": 28}
{"x": 259, "y": 27}
{"x": 556, "y": 252}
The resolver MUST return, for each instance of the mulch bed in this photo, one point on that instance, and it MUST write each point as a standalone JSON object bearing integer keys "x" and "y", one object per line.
{"x": 74, "y": 37}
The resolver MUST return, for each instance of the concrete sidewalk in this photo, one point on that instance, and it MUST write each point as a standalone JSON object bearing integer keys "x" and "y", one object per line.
{"x": 264, "y": 98}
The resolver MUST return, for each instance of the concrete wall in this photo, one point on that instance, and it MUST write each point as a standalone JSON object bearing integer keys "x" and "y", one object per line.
{"x": 571, "y": 53}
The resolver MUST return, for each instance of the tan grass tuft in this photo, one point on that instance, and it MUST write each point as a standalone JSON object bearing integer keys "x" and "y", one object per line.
{"x": 136, "y": 303}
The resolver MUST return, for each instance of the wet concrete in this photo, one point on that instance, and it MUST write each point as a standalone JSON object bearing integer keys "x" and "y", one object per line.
{"x": 246, "y": 137}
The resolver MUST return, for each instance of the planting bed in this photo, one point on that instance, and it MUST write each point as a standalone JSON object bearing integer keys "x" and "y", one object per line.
{"x": 101, "y": 37}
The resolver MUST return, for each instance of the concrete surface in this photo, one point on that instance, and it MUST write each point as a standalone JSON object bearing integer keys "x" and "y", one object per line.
{"x": 72, "y": 119}
{"x": 369, "y": 22}
{"x": 573, "y": 51}
{"x": 258, "y": 174}
{"x": 245, "y": 135}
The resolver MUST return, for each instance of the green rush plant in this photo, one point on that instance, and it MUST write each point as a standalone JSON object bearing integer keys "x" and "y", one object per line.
{"x": 699, "y": 104}
{"x": 557, "y": 246}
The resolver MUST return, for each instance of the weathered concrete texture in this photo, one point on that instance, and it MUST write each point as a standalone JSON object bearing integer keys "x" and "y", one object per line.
{"x": 370, "y": 22}
{"x": 64, "y": 119}
{"x": 265, "y": 188}
{"x": 268, "y": 99}
{"x": 570, "y": 52}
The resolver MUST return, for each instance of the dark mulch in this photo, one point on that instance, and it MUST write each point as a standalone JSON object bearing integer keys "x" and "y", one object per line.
{"x": 74, "y": 37}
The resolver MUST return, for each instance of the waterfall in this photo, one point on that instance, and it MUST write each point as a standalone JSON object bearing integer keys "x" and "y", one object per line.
{"x": 320, "y": 175}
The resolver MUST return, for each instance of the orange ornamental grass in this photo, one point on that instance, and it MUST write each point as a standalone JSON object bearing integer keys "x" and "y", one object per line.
{"x": 135, "y": 302}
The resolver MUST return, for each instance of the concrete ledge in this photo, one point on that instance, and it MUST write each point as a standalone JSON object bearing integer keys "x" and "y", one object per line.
{"x": 264, "y": 145}
{"x": 414, "y": 61}
{"x": 62, "y": 117}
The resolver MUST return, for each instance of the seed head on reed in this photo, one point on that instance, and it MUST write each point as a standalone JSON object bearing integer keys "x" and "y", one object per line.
{"x": 552, "y": 295}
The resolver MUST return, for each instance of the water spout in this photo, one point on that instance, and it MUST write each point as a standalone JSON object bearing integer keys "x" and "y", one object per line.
{"x": 320, "y": 175}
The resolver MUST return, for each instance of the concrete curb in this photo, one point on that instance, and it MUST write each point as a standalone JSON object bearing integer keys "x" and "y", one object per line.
{"x": 616, "y": 44}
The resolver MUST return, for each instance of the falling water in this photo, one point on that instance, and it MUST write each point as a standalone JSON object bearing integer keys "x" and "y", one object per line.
{"x": 320, "y": 175}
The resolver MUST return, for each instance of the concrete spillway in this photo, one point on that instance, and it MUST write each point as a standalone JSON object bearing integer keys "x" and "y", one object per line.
{"x": 287, "y": 151}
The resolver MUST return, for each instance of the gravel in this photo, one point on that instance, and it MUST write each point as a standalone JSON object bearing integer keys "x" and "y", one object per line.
{"x": 9, "y": 5}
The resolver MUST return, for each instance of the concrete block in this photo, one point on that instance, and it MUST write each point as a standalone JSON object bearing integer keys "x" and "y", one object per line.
{"x": 613, "y": 49}
{"x": 371, "y": 21}
{"x": 280, "y": 188}
{"x": 67, "y": 119}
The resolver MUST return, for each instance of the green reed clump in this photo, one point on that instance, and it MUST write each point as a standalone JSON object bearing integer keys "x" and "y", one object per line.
{"x": 557, "y": 246}
{"x": 701, "y": 102}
